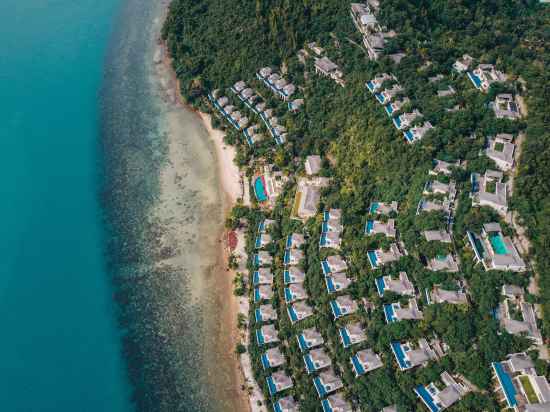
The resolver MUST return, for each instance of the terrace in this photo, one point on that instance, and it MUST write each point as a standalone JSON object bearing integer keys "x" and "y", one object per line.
{"x": 267, "y": 334}
{"x": 496, "y": 251}
{"x": 365, "y": 361}
{"x": 262, "y": 258}
{"x": 374, "y": 227}
{"x": 352, "y": 334}
{"x": 286, "y": 404}
{"x": 380, "y": 257}
{"x": 401, "y": 285}
{"x": 453, "y": 297}
{"x": 364, "y": 19}
{"x": 394, "y": 312}
{"x": 293, "y": 274}
{"x": 330, "y": 239}
{"x": 501, "y": 150}
{"x": 272, "y": 358}
{"x": 327, "y": 382}
{"x": 262, "y": 276}
{"x": 343, "y": 306}
{"x": 337, "y": 282}
{"x": 278, "y": 382}
{"x": 309, "y": 339}
{"x": 316, "y": 360}
{"x": 336, "y": 403}
{"x": 447, "y": 263}
{"x": 293, "y": 257}
{"x": 328, "y": 68}
{"x": 294, "y": 241}
{"x": 299, "y": 311}
{"x": 505, "y": 107}
{"x": 409, "y": 356}
{"x": 265, "y": 313}
{"x": 489, "y": 190}
{"x": 437, "y": 236}
{"x": 333, "y": 264}
{"x": 518, "y": 384}
{"x": 517, "y": 316}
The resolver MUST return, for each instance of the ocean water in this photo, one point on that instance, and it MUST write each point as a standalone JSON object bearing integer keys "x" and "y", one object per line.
{"x": 60, "y": 346}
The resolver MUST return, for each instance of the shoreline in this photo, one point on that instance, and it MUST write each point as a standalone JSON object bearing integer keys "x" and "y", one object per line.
{"x": 232, "y": 188}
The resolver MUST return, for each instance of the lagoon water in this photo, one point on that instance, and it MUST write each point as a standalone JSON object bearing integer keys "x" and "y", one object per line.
{"x": 60, "y": 347}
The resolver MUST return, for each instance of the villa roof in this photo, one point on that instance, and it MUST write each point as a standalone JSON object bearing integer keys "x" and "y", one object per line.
{"x": 287, "y": 404}
{"x": 325, "y": 64}
{"x": 309, "y": 200}
{"x": 370, "y": 358}
{"x": 443, "y": 167}
{"x": 492, "y": 227}
{"x": 439, "y": 295}
{"x": 320, "y": 357}
{"x": 275, "y": 356}
{"x": 338, "y": 403}
{"x": 313, "y": 164}
{"x": 447, "y": 263}
{"x": 437, "y": 235}
{"x": 270, "y": 333}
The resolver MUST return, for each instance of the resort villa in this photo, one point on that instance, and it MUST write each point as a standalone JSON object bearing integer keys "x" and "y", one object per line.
{"x": 434, "y": 187}
{"x": 405, "y": 120}
{"x": 442, "y": 167}
{"x": 308, "y": 194}
{"x": 267, "y": 334}
{"x": 316, "y": 359}
{"x": 351, "y": 334}
{"x": 380, "y": 257}
{"x": 262, "y": 240}
{"x": 278, "y": 382}
{"x": 388, "y": 95}
{"x": 409, "y": 356}
{"x": 262, "y": 258}
{"x": 463, "y": 64}
{"x": 293, "y": 257}
{"x": 309, "y": 339}
{"x": 343, "y": 306}
{"x": 393, "y": 108}
{"x": 295, "y": 105}
{"x": 381, "y": 208}
{"x": 286, "y": 404}
{"x": 505, "y": 107}
{"x": 299, "y": 311}
{"x": 496, "y": 251}
{"x": 332, "y": 225}
{"x": 449, "y": 91}
{"x": 327, "y": 382}
{"x": 375, "y": 227}
{"x": 375, "y": 84}
{"x": 365, "y": 361}
{"x": 294, "y": 292}
{"x": 401, "y": 286}
{"x": 453, "y": 297}
{"x": 439, "y": 396}
{"x": 337, "y": 282}
{"x": 416, "y": 133}
{"x": 333, "y": 264}
{"x": 262, "y": 292}
{"x": 447, "y": 263}
{"x": 293, "y": 274}
{"x": 374, "y": 38}
{"x": 328, "y": 68}
{"x": 394, "y": 312}
{"x": 516, "y": 315}
{"x": 253, "y": 135}
{"x": 265, "y": 313}
{"x": 282, "y": 88}
{"x": 433, "y": 206}
{"x": 330, "y": 239}
{"x": 294, "y": 241}
{"x": 313, "y": 165}
{"x": 264, "y": 225}
{"x": 262, "y": 276}
{"x": 437, "y": 236}
{"x": 272, "y": 358}
{"x": 489, "y": 190}
{"x": 484, "y": 75}
{"x": 269, "y": 185}
{"x": 501, "y": 150}
{"x": 518, "y": 386}
{"x": 336, "y": 403}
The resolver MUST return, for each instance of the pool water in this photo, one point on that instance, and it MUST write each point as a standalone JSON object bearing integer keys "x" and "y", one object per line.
{"x": 374, "y": 207}
{"x": 259, "y": 189}
{"x": 409, "y": 136}
{"x": 507, "y": 385}
{"x": 372, "y": 259}
{"x": 400, "y": 355}
{"x": 345, "y": 337}
{"x": 370, "y": 226}
{"x": 427, "y": 398}
{"x": 475, "y": 80}
{"x": 389, "y": 109}
{"x": 497, "y": 242}
{"x": 292, "y": 314}
{"x": 397, "y": 122}
{"x": 335, "y": 309}
{"x": 357, "y": 365}
{"x": 389, "y": 313}
{"x": 380, "y": 285}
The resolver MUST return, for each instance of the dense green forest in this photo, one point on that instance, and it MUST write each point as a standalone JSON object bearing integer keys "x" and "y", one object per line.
{"x": 216, "y": 43}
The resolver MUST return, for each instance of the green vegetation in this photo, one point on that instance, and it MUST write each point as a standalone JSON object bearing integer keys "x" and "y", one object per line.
{"x": 215, "y": 44}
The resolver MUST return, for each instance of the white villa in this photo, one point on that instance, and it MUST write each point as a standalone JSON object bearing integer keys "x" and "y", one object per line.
{"x": 501, "y": 150}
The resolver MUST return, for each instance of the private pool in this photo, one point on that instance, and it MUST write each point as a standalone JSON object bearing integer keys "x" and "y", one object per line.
{"x": 507, "y": 384}
{"x": 359, "y": 370}
{"x": 426, "y": 398}
{"x": 374, "y": 207}
{"x": 400, "y": 356}
{"x": 380, "y": 285}
{"x": 409, "y": 136}
{"x": 397, "y": 122}
{"x": 475, "y": 80}
{"x": 346, "y": 340}
{"x": 389, "y": 109}
{"x": 389, "y": 313}
{"x": 379, "y": 97}
{"x": 370, "y": 86}
{"x": 373, "y": 259}
{"x": 326, "y": 268}
{"x": 259, "y": 189}
{"x": 335, "y": 309}
{"x": 497, "y": 242}
{"x": 369, "y": 226}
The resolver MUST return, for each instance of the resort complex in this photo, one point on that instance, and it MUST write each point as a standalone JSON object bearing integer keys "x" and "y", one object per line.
{"x": 386, "y": 261}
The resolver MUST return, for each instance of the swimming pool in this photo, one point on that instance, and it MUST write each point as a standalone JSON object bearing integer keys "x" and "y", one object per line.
{"x": 289, "y": 241}
{"x": 379, "y": 97}
{"x": 286, "y": 258}
{"x": 475, "y": 80}
{"x": 323, "y": 239}
{"x": 497, "y": 242}
{"x": 400, "y": 356}
{"x": 380, "y": 285}
{"x": 265, "y": 361}
{"x": 257, "y": 296}
{"x": 258, "y": 243}
{"x": 389, "y": 109}
{"x": 302, "y": 343}
{"x": 309, "y": 364}
{"x": 320, "y": 387}
{"x": 389, "y": 313}
{"x": 374, "y": 207}
{"x": 397, "y": 122}
{"x": 335, "y": 309}
{"x": 271, "y": 386}
{"x": 292, "y": 314}
{"x": 326, "y": 268}
{"x": 409, "y": 136}
{"x": 256, "y": 277}
{"x": 287, "y": 277}
{"x": 331, "y": 287}
{"x": 427, "y": 398}
{"x": 259, "y": 189}
{"x": 506, "y": 383}
{"x": 357, "y": 366}
{"x": 369, "y": 226}
{"x": 346, "y": 340}
{"x": 260, "y": 337}
{"x": 373, "y": 259}
{"x": 289, "y": 297}
{"x": 370, "y": 86}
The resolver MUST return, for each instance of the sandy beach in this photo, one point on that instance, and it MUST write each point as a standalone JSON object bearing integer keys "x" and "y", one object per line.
{"x": 231, "y": 189}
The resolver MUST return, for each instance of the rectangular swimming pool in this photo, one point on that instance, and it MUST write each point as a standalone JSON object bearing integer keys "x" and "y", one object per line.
{"x": 497, "y": 242}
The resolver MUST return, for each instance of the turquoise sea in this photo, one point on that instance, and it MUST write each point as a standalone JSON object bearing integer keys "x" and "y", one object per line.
{"x": 60, "y": 346}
